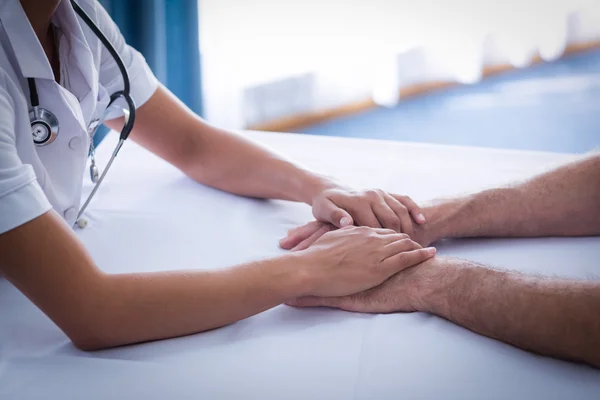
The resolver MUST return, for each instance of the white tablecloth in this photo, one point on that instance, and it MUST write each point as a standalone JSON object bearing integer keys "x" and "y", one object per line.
{"x": 149, "y": 217}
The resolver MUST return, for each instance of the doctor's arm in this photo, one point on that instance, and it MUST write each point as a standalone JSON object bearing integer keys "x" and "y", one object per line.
{"x": 235, "y": 164}
{"x": 46, "y": 261}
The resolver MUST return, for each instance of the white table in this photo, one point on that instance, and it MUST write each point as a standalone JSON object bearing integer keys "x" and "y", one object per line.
{"x": 149, "y": 217}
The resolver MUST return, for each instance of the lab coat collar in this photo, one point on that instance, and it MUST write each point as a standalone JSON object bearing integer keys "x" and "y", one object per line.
{"x": 27, "y": 48}
{"x": 81, "y": 54}
{"x": 67, "y": 20}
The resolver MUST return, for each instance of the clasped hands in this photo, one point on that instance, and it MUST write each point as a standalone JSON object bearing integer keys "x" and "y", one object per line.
{"x": 365, "y": 252}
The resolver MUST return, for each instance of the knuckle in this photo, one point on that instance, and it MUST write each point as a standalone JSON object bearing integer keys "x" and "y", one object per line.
{"x": 372, "y": 237}
{"x": 372, "y": 194}
{"x": 402, "y": 258}
{"x": 406, "y": 243}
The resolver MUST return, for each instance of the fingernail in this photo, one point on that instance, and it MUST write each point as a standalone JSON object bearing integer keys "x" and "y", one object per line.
{"x": 431, "y": 250}
{"x": 345, "y": 221}
{"x": 421, "y": 217}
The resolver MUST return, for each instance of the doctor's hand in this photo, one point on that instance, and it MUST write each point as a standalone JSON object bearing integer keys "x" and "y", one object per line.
{"x": 375, "y": 208}
{"x": 353, "y": 259}
{"x": 304, "y": 236}
{"x": 405, "y": 291}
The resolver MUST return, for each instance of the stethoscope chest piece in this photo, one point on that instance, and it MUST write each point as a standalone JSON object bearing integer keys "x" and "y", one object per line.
{"x": 44, "y": 126}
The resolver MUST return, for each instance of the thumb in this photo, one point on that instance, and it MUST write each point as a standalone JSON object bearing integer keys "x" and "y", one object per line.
{"x": 336, "y": 216}
{"x": 314, "y": 301}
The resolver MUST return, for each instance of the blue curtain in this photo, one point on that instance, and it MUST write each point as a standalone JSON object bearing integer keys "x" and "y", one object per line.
{"x": 166, "y": 33}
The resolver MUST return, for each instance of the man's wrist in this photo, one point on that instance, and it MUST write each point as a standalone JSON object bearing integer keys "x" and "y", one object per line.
{"x": 432, "y": 284}
{"x": 444, "y": 220}
{"x": 433, "y": 229}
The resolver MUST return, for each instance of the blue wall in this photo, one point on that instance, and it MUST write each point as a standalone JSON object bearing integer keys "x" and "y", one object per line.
{"x": 166, "y": 33}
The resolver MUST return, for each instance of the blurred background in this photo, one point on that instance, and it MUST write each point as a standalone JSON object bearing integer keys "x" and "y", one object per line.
{"x": 510, "y": 74}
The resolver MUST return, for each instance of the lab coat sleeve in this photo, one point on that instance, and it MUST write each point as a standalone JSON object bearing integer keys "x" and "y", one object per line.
{"x": 142, "y": 80}
{"x": 21, "y": 197}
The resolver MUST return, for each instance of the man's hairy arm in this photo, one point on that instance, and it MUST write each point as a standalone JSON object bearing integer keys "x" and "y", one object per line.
{"x": 561, "y": 202}
{"x": 549, "y": 316}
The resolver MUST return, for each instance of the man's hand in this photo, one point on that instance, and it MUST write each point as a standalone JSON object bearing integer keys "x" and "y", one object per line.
{"x": 374, "y": 208}
{"x": 351, "y": 259}
{"x": 303, "y": 236}
{"x": 403, "y": 292}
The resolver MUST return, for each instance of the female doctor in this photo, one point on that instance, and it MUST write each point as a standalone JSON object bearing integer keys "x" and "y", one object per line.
{"x": 61, "y": 64}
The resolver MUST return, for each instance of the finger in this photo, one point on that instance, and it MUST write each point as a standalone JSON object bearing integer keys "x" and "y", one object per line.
{"x": 386, "y": 231}
{"x": 336, "y": 215}
{"x": 296, "y": 235}
{"x": 390, "y": 236}
{"x": 385, "y": 215}
{"x": 399, "y": 246}
{"x": 407, "y": 259}
{"x": 312, "y": 301}
{"x": 315, "y": 301}
{"x": 402, "y": 213}
{"x": 364, "y": 216}
{"x": 304, "y": 244}
{"x": 413, "y": 208}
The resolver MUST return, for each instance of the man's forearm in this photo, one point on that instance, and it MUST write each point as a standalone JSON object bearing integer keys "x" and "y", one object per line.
{"x": 554, "y": 317}
{"x": 562, "y": 202}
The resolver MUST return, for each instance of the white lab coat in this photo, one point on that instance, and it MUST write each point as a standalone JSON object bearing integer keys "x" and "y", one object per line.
{"x": 34, "y": 179}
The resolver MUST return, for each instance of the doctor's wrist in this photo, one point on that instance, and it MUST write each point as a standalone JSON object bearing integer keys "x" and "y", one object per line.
{"x": 315, "y": 185}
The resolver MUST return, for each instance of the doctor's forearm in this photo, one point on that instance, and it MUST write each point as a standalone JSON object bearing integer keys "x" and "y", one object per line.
{"x": 217, "y": 158}
{"x": 561, "y": 202}
{"x": 232, "y": 163}
{"x": 152, "y": 306}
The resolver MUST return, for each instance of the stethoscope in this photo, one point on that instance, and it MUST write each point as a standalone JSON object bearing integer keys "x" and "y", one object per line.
{"x": 45, "y": 126}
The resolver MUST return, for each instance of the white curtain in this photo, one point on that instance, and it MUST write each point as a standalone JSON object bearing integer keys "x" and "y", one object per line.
{"x": 326, "y": 53}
